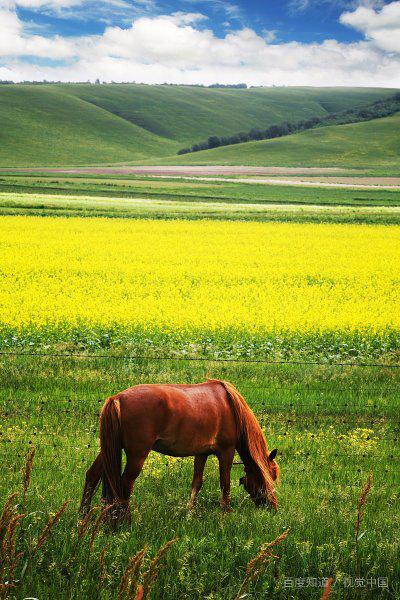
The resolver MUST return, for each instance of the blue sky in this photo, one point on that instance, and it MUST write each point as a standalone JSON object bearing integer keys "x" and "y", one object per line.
{"x": 262, "y": 42}
{"x": 294, "y": 20}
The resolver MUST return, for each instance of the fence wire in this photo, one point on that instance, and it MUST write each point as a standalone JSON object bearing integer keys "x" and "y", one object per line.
{"x": 140, "y": 357}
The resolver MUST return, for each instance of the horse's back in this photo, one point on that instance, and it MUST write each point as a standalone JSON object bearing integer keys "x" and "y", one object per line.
{"x": 166, "y": 400}
{"x": 183, "y": 419}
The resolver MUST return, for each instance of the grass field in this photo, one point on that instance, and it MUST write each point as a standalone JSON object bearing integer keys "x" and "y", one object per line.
{"x": 181, "y": 190}
{"x": 365, "y": 144}
{"x": 185, "y": 114}
{"x": 131, "y": 207}
{"x": 330, "y": 424}
{"x": 87, "y": 124}
{"x": 40, "y": 126}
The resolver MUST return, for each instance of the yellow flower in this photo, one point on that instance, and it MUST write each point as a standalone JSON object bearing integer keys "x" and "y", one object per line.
{"x": 360, "y": 439}
{"x": 188, "y": 275}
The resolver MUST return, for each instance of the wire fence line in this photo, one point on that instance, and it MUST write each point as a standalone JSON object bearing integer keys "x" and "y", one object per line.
{"x": 70, "y": 401}
{"x": 201, "y": 359}
{"x": 77, "y": 403}
{"x": 76, "y": 396}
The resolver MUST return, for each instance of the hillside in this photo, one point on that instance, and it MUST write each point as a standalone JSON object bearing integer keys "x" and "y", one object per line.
{"x": 191, "y": 113}
{"x": 366, "y": 144}
{"x": 43, "y": 126}
{"x": 96, "y": 124}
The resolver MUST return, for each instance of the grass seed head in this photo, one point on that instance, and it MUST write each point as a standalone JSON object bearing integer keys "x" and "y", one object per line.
{"x": 7, "y": 514}
{"x": 130, "y": 578}
{"x": 8, "y": 556}
{"x": 327, "y": 590}
{"x": 51, "y": 523}
{"x": 102, "y": 567}
{"x": 83, "y": 524}
{"x": 361, "y": 502}
{"x": 139, "y": 593}
{"x": 9, "y": 539}
{"x": 151, "y": 574}
{"x": 97, "y": 524}
{"x": 257, "y": 564}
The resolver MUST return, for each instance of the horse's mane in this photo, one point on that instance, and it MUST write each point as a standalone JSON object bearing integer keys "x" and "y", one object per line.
{"x": 251, "y": 437}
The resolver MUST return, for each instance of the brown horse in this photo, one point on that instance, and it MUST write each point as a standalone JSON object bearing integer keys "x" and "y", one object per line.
{"x": 180, "y": 420}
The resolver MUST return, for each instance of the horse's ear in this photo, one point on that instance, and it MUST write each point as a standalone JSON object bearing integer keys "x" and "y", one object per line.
{"x": 273, "y": 453}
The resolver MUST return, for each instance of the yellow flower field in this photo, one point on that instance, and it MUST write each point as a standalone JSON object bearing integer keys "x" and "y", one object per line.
{"x": 182, "y": 276}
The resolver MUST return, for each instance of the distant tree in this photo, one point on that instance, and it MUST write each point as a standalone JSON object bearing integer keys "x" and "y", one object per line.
{"x": 375, "y": 110}
{"x": 229, "y": 85}
{"x": 214, "y": 141}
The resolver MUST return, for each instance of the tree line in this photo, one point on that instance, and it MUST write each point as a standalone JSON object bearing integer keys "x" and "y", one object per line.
{"x": 375, "y": 110}
{"x": 97, "y": 81}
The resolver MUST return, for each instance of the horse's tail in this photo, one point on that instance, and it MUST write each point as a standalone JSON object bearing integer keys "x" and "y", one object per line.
{"x": 111, "y": 449}
{"x": 251, "y": 438}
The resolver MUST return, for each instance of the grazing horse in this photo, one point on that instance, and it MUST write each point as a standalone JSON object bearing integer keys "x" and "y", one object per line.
{"x": 180, "y": 420}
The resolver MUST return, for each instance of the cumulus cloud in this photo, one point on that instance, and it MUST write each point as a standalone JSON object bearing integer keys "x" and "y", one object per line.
{"x": 35, "y": 4}
{"x": 380, "y": 26}
{"x": 14, "y": 42}
{"x": 181, "y": 48}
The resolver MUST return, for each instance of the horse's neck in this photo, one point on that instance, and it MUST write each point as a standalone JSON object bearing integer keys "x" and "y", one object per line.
{"x": 250, "y": 466}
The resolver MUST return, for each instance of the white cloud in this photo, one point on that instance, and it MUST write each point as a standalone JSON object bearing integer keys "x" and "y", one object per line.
{"x": 103, "y": 11}
{"x": 380, "y": 26}
{"x": 295, "y": 6}
{"x": 230, "y": 9}
{"x": 303, "y": 5}
{"x": 180, "y": 48}
{"x": 15, "y": 42}
{"x": 269, "y": 35}
{"x": 35, "y": 4}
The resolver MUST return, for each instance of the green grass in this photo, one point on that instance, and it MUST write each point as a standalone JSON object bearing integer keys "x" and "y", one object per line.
{"x": 44, "y": 126}
{"x": 185, "y": 114}
{"x": 45, "y": 205}
{"x": 367, "y": 144}
{"x": 195, "y": 190}
{"x": 155, "y": 198}
{"x": 88, "y": 124}
{"x": 331, "y": 425}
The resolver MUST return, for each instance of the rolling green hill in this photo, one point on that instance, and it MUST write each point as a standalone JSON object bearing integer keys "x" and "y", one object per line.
{"x": 44, "y": 126}
{"x": 365, "y": 144}
{"x": 189, "y": 114}
{"x": 73, "y": 124}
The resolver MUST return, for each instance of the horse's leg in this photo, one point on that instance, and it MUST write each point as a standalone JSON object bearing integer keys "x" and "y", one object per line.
{"x": 93, "y": 475}
{"x": 133, "y": 467}
{"x": 197, "y": 481}
{"x": 225, "y": 459}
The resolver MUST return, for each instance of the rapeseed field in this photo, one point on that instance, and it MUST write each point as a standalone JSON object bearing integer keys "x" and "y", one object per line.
{"x": 205, "y": 277}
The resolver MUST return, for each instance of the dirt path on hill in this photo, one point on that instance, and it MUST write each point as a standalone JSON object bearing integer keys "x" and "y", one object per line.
{"x": 368, "y": 183}
{"x": 196, "y": 171}
{"x": 306, "y": 176}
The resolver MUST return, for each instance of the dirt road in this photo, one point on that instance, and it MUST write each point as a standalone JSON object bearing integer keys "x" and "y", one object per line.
{"x": 317, "y": 176}
{"x": 196, "y": 171}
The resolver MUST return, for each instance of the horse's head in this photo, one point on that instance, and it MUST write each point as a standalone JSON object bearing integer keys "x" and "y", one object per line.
{"x": 255, "y": 484}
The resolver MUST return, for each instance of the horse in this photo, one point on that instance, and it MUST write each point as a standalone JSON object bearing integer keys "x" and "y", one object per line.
{"x": 199, "y": 420}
